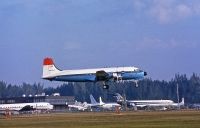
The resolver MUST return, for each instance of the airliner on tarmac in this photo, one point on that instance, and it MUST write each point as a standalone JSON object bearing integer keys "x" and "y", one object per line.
{"x": 149, "y": 103}
{"x": 105, "y": 75}
{"x": 26, "y": 106}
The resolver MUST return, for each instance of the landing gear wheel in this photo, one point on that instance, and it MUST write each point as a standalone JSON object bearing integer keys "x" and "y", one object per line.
{"x": 105, "y": 86}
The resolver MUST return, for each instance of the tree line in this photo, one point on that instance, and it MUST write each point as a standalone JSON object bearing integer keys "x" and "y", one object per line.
{"x": 188, "y": 87}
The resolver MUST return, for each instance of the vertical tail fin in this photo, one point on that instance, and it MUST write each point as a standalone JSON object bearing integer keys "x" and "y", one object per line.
{"x": 85, "y": 104}
{"x": 100, "y": 101}
{"x": 49, "y": 68}
{"x": 182, "y": 102}
{"x": 92, "y": 100}
{"x": 119, "y": 97}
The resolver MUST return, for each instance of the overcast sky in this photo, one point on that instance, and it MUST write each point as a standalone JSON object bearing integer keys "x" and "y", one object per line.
{"x": 159, "y": 36}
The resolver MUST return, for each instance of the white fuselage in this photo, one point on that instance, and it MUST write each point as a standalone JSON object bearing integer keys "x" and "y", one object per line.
{"x": 79, "y": 106}
{"x": 89, "y": 71}
{"x": 19, "y": 106}
{"x": 101, "y": 104}
{"x": 155, "y": 103}
{"x": 142, "y": 103}
{"x": 148, "y": 103}
{"x": 82, "y": 75}
{"x": 110, "y": 106}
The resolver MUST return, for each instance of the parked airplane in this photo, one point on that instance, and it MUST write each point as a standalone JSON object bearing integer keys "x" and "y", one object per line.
{"x": 108, "y": 106}
{"x": 26, "y": 106}
{"x": 79, "y": 106}
{"x": 149, "y": 103}
{"x": 105, "y": 75}
{"x": 101, "y": 104}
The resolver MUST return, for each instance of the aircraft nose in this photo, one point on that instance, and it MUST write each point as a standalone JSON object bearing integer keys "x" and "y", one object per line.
{"x": 145, "y": 73}
{"x": 51, "y": 107}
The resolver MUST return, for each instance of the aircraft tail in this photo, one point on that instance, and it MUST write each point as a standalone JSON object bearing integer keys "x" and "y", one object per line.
{"x": 85, "y": 104}
{"x": 92, "y": 100}
{"x": 119, "y": 97}
{"x": 100, "y": 101}
{"x": 49, "y": 68}
{"x": 182, "y": 102}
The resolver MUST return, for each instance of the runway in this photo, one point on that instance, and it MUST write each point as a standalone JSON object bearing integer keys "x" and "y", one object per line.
{"x": 141, "y": 119}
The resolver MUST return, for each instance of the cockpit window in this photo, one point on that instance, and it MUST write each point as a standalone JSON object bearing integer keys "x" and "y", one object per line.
{"x": 138, "y": 70}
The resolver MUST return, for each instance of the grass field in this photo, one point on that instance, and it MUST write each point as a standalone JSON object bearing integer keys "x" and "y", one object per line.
{"x": 164, "y": 119}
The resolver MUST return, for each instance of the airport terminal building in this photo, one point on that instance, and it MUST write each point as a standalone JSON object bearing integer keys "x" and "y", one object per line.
{"x": 59, "y": 102}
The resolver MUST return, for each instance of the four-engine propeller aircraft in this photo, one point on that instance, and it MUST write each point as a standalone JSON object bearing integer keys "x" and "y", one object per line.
{"x": 105, "y": 75}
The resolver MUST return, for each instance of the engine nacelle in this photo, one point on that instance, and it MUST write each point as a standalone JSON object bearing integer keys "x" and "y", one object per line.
{"x": 117, "y": 77}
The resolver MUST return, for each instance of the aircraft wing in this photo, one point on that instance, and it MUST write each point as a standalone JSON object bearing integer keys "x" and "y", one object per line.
{"x": 27, "y": 108}
{"x": 102, "y": 76}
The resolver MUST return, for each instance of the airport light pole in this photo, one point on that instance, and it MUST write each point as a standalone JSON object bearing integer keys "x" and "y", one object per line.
{"x": 177, "y": 92}
{"x": 124, "y": 102}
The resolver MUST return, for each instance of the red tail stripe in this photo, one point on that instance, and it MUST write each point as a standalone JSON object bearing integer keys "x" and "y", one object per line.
{"x": 48, "y": 61}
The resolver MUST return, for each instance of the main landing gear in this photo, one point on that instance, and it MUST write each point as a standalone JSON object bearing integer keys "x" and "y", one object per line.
{"x": 105, "y": 86}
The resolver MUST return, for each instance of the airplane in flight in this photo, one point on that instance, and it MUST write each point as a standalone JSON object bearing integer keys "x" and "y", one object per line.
{"x": 26, "y": 106}
{"x": 104, "y": 75}
{"x": 163, "y": 104}
{"x": 101, "y": 104}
